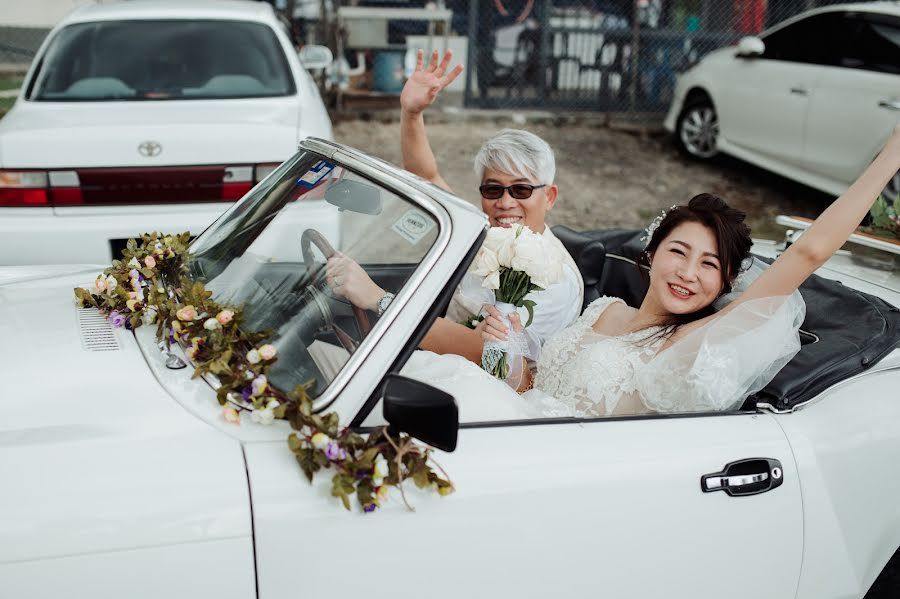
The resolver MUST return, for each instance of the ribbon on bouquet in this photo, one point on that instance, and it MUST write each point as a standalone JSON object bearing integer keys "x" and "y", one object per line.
{"x": 504, "y": 359}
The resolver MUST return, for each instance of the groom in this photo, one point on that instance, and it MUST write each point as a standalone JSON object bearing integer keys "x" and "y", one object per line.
{"x": 517, "y": 170}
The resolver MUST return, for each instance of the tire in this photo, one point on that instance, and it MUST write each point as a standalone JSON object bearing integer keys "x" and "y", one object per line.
{"x": 697, "y": 129}
{"x": 892, "y": 190}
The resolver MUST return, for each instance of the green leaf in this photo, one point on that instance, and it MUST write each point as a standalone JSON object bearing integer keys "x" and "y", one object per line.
{"x": 529, "y": 306}
{"x": 294, "y": 442}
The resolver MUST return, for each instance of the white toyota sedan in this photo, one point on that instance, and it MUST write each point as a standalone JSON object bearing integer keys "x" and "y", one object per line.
{"x": 123, "y": 477}
{"x": 151, "y": 115}
{"x": 810, "y": 99}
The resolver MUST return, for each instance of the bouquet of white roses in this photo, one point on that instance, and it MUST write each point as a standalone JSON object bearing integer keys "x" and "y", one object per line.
{"x": 513, "y": 262}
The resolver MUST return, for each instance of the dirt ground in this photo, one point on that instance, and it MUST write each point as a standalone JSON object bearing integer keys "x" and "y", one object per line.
{"x": 607, "y": 177}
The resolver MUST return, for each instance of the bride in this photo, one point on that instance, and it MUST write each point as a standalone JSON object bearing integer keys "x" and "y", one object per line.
{"x": 676, "y": 352}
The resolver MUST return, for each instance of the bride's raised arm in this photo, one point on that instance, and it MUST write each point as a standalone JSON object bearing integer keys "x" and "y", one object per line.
{"x": 829, "y": 232}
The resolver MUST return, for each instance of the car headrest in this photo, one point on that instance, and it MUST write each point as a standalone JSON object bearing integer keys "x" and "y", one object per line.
{"x": 589, "y": 255}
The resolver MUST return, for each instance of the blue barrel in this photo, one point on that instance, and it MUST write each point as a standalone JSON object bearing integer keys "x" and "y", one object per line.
{"x": 387, "y": 71}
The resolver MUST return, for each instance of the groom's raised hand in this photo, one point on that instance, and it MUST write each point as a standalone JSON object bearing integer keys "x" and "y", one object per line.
{"x": 423, "y": 87}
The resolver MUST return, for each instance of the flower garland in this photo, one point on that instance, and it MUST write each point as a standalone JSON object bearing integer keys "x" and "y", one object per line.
{"x": 135, "y": 291}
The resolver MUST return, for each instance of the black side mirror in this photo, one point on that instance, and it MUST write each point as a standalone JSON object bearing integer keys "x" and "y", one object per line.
{"x": 354, "y": 196}
{"x": 421, "y": 411}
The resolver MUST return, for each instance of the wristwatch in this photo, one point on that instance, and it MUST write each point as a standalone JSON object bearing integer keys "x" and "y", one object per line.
{"x": 384, "y": 302}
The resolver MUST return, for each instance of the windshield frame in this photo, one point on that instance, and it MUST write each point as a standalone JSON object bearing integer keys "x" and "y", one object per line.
{"x": 35, "y": 78}
{"x": 381, "y": 174}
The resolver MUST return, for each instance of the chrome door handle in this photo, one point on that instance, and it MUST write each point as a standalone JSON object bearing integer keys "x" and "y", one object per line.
{"x": 895, "y": 105}
{"x": 800, "y": 91}
{"x": 735, "y": 481}
{"x": 745, "y": 477}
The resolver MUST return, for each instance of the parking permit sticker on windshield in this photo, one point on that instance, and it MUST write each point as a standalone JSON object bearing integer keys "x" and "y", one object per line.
{"x": 413, "y": 226}
{"x": 312, "y": 177}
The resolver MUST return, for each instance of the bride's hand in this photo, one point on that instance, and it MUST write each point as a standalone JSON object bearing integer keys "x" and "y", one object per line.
{"x": 493, "y": 328}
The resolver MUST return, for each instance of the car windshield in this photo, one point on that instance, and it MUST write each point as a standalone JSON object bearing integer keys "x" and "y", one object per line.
{"x": 266, "y": 255}
{"x": 162, "y": 60}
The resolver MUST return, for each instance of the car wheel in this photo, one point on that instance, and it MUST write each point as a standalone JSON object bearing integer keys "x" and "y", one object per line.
{"x": 697, "y": 131}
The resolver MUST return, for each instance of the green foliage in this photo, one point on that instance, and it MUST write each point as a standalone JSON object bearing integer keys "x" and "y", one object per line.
{"x": 885, "y": 219}
{"x": 150, "y": 285}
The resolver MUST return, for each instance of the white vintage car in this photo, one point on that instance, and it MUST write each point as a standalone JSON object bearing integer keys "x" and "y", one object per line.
{"x": 142, "y": 116}
{"x": 120, "y": 477}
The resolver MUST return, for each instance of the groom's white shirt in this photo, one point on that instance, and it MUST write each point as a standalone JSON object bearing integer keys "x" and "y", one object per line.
{"x": 555, "y": 308}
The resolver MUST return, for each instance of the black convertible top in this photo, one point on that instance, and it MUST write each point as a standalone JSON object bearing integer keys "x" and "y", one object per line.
{"x": 845, "y": 331}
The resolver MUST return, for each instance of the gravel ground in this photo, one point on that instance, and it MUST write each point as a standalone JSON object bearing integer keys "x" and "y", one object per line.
{"x": 607, "y": 177}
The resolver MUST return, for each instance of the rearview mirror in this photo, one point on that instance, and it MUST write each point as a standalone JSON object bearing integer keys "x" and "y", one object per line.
{"x": 421, "y": 411}
{"x": 315, "y": 57}
{"x": 750, "y": 47}
{"x": 354, "y": 196}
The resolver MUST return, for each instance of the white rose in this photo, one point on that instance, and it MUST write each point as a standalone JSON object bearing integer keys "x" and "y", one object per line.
{"x": 496, "y": 236}
{"x": 211, "y": 324}
{"x": 485, "y": 263}
{"x": 530, "y": 254}
{"x": 149, "y": 316}
{"x": 320, "y": 441}
{"x": 111, "y": 283}
{"x": 506, "y": 252}
{"x": 492, "y": 281}
{"x": 265, "y": 417}
{"x": 253, "y": 356}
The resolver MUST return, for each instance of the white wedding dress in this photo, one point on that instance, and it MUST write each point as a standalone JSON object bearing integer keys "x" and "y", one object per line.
{"x": 585, "y": 374}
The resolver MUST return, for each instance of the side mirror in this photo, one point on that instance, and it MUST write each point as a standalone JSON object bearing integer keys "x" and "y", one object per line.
{"x": 315, "y": 57}
{"x": 355, "y": 196}
{"x": 421, "y": 411}
{"x": 750, "y": 47}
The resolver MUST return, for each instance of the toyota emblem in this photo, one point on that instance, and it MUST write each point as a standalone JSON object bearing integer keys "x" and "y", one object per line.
{"x": 149, "y": 149}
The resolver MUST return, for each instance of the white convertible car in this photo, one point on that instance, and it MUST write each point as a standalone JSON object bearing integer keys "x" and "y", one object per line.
{"x": 120, "y": 477}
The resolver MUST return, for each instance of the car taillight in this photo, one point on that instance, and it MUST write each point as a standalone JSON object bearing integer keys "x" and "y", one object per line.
{"x": 23, "y": 188}
{"x": 39, "y": 188}
{"x": 65, "y": 188}
{"x": 236, "y": 181}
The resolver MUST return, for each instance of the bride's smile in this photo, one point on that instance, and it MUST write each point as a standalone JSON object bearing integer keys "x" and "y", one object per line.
{"x": 685, "y": 273}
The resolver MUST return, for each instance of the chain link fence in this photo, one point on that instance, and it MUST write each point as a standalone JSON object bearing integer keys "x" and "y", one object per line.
{"x": 617, "y": 56}
{"x": 18, "y": 45}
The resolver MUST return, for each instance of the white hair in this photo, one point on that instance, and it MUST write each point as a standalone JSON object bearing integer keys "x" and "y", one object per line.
{"x": 517, "y": 152}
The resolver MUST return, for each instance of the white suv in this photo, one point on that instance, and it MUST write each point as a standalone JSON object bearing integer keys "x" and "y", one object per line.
{"x": 141, "y": 116}
{"x": 812, "y": 99}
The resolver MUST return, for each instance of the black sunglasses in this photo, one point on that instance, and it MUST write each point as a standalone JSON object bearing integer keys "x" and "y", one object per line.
{"x": 518, "y": 191}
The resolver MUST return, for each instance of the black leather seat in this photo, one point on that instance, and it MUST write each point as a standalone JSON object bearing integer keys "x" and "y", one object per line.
{"x": 607, "y": 261}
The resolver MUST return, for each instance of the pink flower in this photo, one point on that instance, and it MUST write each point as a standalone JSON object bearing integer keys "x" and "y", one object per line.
{"x": 100, "y": 284}
{"x": 150, "y": 261}
{"x": 187, "y": 313}
{"x": 267, "y": 351}
{"x": 224, "y": 317}
{"x": 231, "y": 415}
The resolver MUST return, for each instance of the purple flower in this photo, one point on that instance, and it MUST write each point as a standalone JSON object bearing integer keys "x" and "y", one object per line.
{"x": 369, "y": 507}
{"x": 247, "y": 394}
{"x": 334, "y": 452}
{"x": 259, "y": 385}
{"x": 116, "y": 319}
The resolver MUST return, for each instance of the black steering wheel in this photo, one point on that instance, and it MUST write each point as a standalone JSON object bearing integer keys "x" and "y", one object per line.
{"x": 312, "y": 237}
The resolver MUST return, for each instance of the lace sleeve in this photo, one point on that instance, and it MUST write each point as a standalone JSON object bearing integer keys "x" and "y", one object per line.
{"x": 717, "y": 366}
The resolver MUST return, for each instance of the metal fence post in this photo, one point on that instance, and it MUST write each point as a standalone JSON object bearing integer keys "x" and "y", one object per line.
{"x": 471, "y": 52}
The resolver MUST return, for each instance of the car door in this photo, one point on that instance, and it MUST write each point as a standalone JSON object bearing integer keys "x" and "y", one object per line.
{"x": 855, "y": 103}
{"x": 762, "y": 101}
{"x": 610, "y": 508}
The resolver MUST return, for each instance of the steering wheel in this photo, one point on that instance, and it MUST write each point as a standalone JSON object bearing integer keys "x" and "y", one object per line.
{"x": 312, "y": 237}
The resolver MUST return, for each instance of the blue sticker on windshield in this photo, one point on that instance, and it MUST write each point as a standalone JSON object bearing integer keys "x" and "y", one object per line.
{"x": 312, "y": 177}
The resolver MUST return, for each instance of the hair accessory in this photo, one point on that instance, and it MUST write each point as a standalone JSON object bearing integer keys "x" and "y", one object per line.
{"x": 654, "y": 225}
{"x": 740, "y": 278}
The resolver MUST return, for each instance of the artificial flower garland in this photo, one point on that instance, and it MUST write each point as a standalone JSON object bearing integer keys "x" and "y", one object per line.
{"x": 135, "y": 291}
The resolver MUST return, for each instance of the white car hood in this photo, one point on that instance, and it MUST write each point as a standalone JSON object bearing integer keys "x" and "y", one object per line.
{"x": 95, "y": 456}
{"x": 107, "y": 134}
